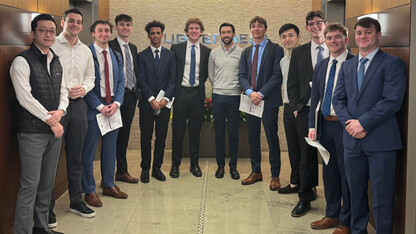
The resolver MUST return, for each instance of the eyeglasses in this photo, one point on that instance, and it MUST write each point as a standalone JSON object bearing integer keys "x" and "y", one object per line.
{"x": 51, "y": 32}
{"x": 317, "y": 23}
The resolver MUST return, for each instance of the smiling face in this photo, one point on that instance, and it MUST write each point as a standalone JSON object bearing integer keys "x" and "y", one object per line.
{"x": 258, "y": 31}
{"x": 367, "y": 38}
{"x": 316, "y": 27}
{"x": 44, "y": 35}
{"x": 72, "y": 25}
{"x": 336, "y": 43}
{"x": 102, "y": 34}
{"x": 124, "y": 29}
{"x": 227, "y": 35}
{"x": 194, "y": 32}
{"x": 289, "y": 39}
{"x": 155, "y": 35}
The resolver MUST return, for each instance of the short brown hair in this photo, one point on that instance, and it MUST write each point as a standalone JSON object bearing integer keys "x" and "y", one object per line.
{"x": 194, "y": 20}
{"x": 92, "y": 28}
{"x": 366, "y": 22}
{"x": 313, "y": 14}
{"x": 336, "y": 27}
{"x": 258, "y": 19}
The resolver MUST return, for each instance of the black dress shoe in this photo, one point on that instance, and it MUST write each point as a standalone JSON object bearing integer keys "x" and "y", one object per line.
{"x": 158, "y": 174}
{"x": 144, "y": 177}
{"x": 288, "y": 189}
{"x": 219, "y": 173}
{"x": 44, "y": 231}
{"x": 174, "y": 172}
{"x": 301, "y": 208}
{"x": 195, "y": 170}
{"x": 234, "y": 174}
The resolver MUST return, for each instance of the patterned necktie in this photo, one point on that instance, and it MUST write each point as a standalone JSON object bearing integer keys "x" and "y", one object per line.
{"x": 192, "y": 72}
{"x": 129, "y": 69}
{"x": 361, "y": 70}
{"x": 254, "y": 67}
{"x": 156, "y": 60}
{"x": 320, "y": 55}
{"x": 107, "y": 79}
{"x": 326, "y": 107}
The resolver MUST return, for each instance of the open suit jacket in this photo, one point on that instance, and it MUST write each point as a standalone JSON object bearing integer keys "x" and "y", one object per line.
{"x": 133, "y": 51}
{"x": 151, "y": 81}
{"x": 318, "y": 90}
{"x": 180, "y": 54}
{"x": 93, "y": 98}
{"x": 375, "y": 105}
{"x": 269, "y": 79}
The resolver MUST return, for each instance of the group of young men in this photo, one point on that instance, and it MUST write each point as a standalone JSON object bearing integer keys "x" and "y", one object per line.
{"x": 62, "y": 85}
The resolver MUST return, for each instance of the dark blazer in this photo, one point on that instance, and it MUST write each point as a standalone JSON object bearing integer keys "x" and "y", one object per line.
{"x": 93, "y": 97}
{"x": 133, "y": 50}
{"x": 300, "y": 74}
{"x": 318, "y": 88}
{"x": 269, "y": 81}
{"x": 180, "y": 55}
{"x": 375, "y": 105}
{"x": 149, "y": 83}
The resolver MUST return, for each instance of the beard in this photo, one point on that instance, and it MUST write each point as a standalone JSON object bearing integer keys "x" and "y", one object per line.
{"x": 224, "y": 40}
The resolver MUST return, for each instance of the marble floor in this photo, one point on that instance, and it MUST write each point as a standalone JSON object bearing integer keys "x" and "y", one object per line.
{"x": 195, "y": 205}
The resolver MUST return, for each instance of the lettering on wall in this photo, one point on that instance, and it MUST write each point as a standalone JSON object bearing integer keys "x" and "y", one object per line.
{"x": 208, "y": 38}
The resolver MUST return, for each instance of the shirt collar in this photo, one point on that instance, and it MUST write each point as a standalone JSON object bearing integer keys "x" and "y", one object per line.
{"x": 154, "y": 48}
{"x": 62, "y": 39}
{"x": 121, "y": 42}
{"x": 340, "y": 58}
{"x": 189, "y": 44}
{"x": 231, "y": 48}
{"x": 315, "y": 45}
{"x": 370, "y": 56}
{"x": 262, "y": 43}
{"x": 99, "y": 49}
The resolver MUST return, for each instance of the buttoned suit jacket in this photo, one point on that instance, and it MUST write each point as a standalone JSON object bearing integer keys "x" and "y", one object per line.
{"x": 375, "y": 105}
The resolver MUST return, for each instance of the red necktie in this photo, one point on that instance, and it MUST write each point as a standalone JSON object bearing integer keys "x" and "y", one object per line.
{"x": 107, "y": 79}
{"x": 254, "y": 67}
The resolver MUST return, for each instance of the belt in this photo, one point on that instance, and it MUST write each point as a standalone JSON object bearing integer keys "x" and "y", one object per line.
{"x": 331, "y": 118}
{"x": 73, "y": 100}
{"x": 189, "y": 88}
{"x": 103, "y": 99}
{"x": 126, "y": 90}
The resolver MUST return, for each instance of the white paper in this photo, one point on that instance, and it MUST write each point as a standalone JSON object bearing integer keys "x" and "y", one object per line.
{"x": 324, "y": 153}
{"x": 161, "y": 95}
{"x": 247, "y": 106}
{"x": 108, "y": 124}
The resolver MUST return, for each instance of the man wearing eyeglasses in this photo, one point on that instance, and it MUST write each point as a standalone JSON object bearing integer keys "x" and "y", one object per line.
{"x": 302, "y": 63}
{"x": 37, "y": 78}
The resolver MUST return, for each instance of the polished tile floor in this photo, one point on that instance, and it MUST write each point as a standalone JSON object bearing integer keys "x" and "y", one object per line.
{"x": 195, "y": 205}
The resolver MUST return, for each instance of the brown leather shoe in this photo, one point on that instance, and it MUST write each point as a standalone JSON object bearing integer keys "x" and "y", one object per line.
{"x": 115, "y": 186}
{"x": 114, "y": 193}
{"x": 342, "y": 230}
{"x": 252, "y": 178}
{"x": 126, "y": 178}
{"x": 325, "y": 223}
{"x": 274, "y": 184}
{"x": 93, "y": 200}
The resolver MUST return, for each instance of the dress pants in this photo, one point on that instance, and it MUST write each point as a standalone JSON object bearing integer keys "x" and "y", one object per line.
{"x": 379, "y": 167}
{"x": 270, "y": 115}
{"x": 187, "y": 108}
{"x": 226, "y": 113}
{"x": 148, "y": 121}
{"x": 108, "y": 157}
{"x": 127, "y": 113}
{"x": 39, "y": 156}
{"x": 335, "y": 182}
{"x": 308, "y": 162}
{"x": 293, "y": 143}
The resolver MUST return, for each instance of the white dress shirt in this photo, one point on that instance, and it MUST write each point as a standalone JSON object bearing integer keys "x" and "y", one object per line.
{"x": 101, "y": 62}
{"x": 284, "y": 66}
{"x": 123, "y": 49}
{"x": 187, "y": 68}
{"x": 20, "y": 76}
{"x": 315, "y": 51}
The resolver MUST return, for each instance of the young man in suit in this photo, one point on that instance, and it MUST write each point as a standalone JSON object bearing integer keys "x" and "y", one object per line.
{"x": 106, "y": 97}
{"x": 260, "y": 78}
{"x": 303, "y": 61}
{"x": 369, "y": 92}
{"x": 329, "y": 131}
{"x": 128, "y": 52}
{"x": 289, "y": 36}
{"x": 192, "y": 72}
{"x": 223, "y": 74}
{"x": 158, "y": 71}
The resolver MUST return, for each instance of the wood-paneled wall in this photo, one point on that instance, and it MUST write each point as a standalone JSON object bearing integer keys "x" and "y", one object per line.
{"x": 53, "y": 7}
{"x": 354, "y": 8}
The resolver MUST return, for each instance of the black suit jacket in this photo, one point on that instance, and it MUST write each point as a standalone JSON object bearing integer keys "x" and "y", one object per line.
{"x": 269, "y": 81}
{"x": 300, "y": 74}
{"x": 133, "y": 50}
{"x": 180, "y": 55}
{"x": 151, "y": 82}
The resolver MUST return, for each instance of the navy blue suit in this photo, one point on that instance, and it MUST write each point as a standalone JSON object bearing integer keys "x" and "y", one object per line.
{"x": 108, "y": 141}
{"x": 374, "y": 156}
{"x": 330, "y": 136}
{"x": 269, "y": 84}
{"x": 151, "y": 80}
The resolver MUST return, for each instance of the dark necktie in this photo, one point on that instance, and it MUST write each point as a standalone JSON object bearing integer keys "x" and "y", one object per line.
{"x": 192, "y": 72}
{"x": 107, "y": 79}
{"x": 360, "y": 74}
{"x": 156, "y": 60}
{"x": 326, "y": 107}
{"x": 320, "y": 55}
{"x": 254, "y": 67}
{"x": 129, "y": 70}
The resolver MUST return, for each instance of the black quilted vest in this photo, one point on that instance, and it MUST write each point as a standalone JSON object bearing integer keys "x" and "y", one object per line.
{"x": 46, "y": 88}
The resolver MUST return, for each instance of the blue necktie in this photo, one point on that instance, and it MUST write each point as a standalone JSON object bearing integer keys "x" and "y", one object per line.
{"x": 326, "y": 107}
{"x": 360, "y": 74}
{"x": 320, "y": 55}
{"x": 192, "y": 73}
{"x": 156, "y": 60}
{"x": 129, "y": 70}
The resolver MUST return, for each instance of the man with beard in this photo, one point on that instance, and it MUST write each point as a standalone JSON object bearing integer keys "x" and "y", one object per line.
{"x": 223, "y": 74}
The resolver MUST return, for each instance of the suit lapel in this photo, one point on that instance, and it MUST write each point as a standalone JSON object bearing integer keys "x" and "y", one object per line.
{"x": 322, "y": 75}
{"x": 378, "y": 58}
